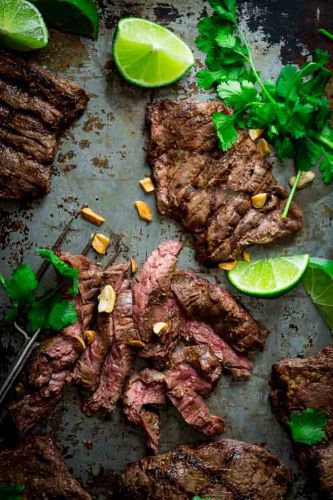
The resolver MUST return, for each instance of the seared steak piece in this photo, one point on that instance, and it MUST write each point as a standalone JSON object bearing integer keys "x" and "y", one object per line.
{"x": 119, "y": 362}
{"x": 227, "y": 469}
{"x": 209, "y": 192}
{"x": 34, "y": 109}
{"x": 61, "y": 351}
{"x": 87, "y": 369}
{"x": 32, "y": 408}
{"x": 197, "y": 332}
{"x": 299, "y": 383}
{"x": 214, "y": 305}
{"x": 38, "y": 465}
{"x": 145, "y": 388}
{"x": 152, "y": 285}
{"x": 193, "y": 373}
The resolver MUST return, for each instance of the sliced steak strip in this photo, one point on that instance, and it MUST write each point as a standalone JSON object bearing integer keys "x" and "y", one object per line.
{"x": 152, "y": 286}
{"x": 88, "y": 367}
{"x": 20, "y": 176}
{"x": 216, "y": 306}
{"x": 299, "y": 383}
{"x": 209, "y": 192}
{"x": 185, "y": 384}
{"x": 145, "y": 388}
{"x": 119, "y": 362}
{"x": 226, "y": 469}
{"x": 61, "y": 351}
{"x": 38, "y": 465}
{"x": 32, "y": 408}
{"x": 196, "y": 332}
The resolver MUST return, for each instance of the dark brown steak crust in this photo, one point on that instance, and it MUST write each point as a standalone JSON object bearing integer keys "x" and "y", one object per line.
{"x": 208, "y": 191}
{"x": 227, "y": 469}
{"x": 214, "y": 305}
{"x": 299, "y": 383}
{"x": 38, "y": 465}
{"x": 34, "y": 109}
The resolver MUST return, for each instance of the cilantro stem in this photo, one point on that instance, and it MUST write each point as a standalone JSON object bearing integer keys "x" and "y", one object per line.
{"x": 249, "y": 59}
{"x": 326, "y": 33}
{"x": 291, "y": 195}
{"x": 322, "y": 139}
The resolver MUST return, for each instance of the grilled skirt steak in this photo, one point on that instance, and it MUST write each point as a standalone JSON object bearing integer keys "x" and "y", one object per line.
{"x": 87, "y": 369}
{"x": 35, "y": 107}
{"x": 38, "y": 465}
{"x": 50, "y": 366}
{"x": 214, "y": 305}
{"x": 119, "y": 362}
{"x": 299, "y": 383}
{"x": 209, "y": 192}
{"x": 227, "y": 469}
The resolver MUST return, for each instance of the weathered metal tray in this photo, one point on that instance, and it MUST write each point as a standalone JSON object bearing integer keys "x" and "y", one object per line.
{"x": 100, "y": 161}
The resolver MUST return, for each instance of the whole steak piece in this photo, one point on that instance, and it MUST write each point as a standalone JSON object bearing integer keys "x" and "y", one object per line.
{"x": 226, "y": 469}
{"x": 299, "y": 383}
{"x": 38, "y": 465}
{"x": 35, "y": 109}
{"x": 208, "y": 191}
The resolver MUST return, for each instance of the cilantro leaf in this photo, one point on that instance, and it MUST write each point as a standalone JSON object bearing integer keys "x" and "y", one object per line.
{"x": 11, "y": 491}
{"x": 62, "y": 268}
{"x": 225, "y": 37}
{"x": 308, "y": 153}
{"x": 308, "y": 426}
{"x": 21, "y": 285}
{"x": 206, "y": 78}
{"x": 318, "y": 282}
{"x": 326, "y": 167}
{"x": 225, "y": 129}
{"x": 11, "y": 315}
{"x": 226, "y": 9}
{"x": 284, "y": 148}
{"x": 62, "y": 314}
{"x": 237, "y": 94}
{"x": 285, "y": 81}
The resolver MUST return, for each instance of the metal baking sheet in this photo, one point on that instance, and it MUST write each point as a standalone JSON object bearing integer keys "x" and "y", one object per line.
{"x": 100, "y": 161}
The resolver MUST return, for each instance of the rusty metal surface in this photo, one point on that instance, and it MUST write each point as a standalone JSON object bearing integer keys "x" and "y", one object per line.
{"x": 100, "y": 160}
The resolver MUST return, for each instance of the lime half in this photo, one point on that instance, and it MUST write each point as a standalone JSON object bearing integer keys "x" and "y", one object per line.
{"x": 21, "y": 26}
{"x": 268, "y": 277}
{"x": 75, "y": 16}
{"x": 148, "y": 54}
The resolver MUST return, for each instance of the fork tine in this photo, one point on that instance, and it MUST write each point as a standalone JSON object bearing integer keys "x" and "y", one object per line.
{"x": 45, "y": 264}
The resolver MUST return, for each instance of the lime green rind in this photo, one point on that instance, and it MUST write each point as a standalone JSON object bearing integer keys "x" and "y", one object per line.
{"x": 74, "y": 16}
{"x": 22, "y": 26}
{"x": 139, "y": 64}
{"x": 268, "y": 278}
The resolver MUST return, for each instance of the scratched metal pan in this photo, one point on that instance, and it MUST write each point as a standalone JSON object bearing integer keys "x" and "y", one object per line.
{"x": 100, "y": 161}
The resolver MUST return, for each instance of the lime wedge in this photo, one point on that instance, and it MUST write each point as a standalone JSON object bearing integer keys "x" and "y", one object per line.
{"x": 148, "y": 54}
{"x": 75, "y": 16}
{"x": 21, "y": 26}
{"x": 268, "y": 277}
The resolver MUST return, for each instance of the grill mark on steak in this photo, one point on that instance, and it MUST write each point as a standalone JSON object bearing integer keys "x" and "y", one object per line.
{"x": 21, "y": 176}
{"x": 214, "y": 305}
{"x": 38, "y": 465}
{"x": 34, "y": 109}
{"x": 299, "y": 383}
{"x": 208, "y": 191}
{"x": 199, "y": 333}
{"x": 119, "y": 362}
{"x": 228, "y": 469}
{"x": 145, "y": 388}
{"x": 88, "y": 367}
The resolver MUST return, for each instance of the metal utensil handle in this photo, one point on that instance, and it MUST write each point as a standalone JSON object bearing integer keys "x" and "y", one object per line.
{"x": 19, "y": 363}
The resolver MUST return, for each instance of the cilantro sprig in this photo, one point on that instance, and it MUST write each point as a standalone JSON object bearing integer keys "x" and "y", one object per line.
{"x": 49, "y": 310}
{"x": 308, "y": 426}
{"x": 293, "y": 111}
